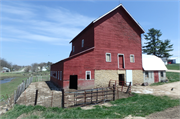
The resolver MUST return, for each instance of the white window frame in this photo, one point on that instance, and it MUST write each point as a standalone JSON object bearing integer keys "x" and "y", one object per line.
{"x": 133, "y": 58}
{"x": 86, "y": 75}
{"x": 106, "y": 57}
{"x": 82, "y": 43}
{"x": 73, "y": 48}
{"x": 60, "y": 75}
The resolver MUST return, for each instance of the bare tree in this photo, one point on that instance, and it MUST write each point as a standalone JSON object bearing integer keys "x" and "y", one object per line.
{"x": 27, "y": 69}
{"x": 41, "y": 65}
{"x": 49, "y": 65}
{"x": 34, "y": 67}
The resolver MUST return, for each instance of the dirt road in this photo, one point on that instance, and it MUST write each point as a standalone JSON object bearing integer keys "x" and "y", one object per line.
{"x": 169, "y": 89}
{"x": 178, "y": 71}
{"x": 46, "y": 96}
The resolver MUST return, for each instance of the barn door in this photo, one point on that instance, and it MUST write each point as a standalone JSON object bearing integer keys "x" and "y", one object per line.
{"x": 156, "y": 76}
{"x": 73, "y": 82}
{"x": 120, "y": 62}
{"x": 121, "y": 79}
{"x": 129, "y": 76}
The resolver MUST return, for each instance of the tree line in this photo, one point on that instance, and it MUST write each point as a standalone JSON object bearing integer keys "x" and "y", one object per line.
{"x": 34, "y": 67}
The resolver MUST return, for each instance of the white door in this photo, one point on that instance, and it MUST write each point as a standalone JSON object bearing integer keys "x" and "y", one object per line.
{"x": 129, "y": 76}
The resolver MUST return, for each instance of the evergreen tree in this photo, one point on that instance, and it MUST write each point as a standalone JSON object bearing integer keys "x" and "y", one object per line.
{"x": 164, "y": 49}
{"x": 155, "y": 46}
{"x": 153, "y": 42}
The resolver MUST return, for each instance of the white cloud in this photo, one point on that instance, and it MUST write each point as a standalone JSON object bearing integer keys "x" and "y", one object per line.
{"x": 22, "y": 22}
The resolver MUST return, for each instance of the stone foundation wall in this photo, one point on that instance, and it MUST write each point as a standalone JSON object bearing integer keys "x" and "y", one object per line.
{"x": 102, "y": 77}
{"x": 138, "y": 77}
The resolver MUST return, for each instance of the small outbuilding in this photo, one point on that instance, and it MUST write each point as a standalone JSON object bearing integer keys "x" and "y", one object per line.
{"x": 154, "y": 69}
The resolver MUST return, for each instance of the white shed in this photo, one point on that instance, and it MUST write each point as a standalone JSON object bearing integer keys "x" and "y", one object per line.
{"x": 154, "y": 69}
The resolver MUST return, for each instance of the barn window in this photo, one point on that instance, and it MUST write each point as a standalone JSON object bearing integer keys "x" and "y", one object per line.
{"x": 132, "y": 58}
{"x": 88, "y": 75}
{"x": 151, "y": 74}
{"x": 60, "y": 75}
{"x": 82, "y": 43}
{"x": 108, "y": 57}
{"x": 54, "y": 74}
{"x": 162, "y": 75}
{"x": 146, "y": 74}
{"x": 73, "y": 48}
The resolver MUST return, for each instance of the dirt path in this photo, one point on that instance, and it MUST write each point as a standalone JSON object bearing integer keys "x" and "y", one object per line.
{"x": 160, "y": 89}
{"x": 170, "y": 113}
{"x": 173, "y": 71}
{"x": 46, "y": 96}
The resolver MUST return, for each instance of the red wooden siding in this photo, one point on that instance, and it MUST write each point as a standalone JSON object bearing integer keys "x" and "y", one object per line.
{"x": 88, "y": 36}
{"x": 78, "y": 66}
{"x": 57, "y": 67}
{"x": 117, "y": 33}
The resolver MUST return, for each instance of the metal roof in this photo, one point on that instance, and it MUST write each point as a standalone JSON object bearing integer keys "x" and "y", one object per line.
{"x": 152, "y": 63}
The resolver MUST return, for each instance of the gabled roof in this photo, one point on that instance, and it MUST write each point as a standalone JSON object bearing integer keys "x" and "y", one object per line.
{"x": 120, "y": 5}
{"x": 152, "y": 63}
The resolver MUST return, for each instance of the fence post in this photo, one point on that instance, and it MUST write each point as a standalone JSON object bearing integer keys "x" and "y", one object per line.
{"x": 96, "y": 95}
{"x": 128, "y": 87}
{"x": 36, "y": 97}
{"x": 15, "y": 97}
{"x": 113, "y": 92}
{"x": 52, "y": 99}
{"x": 84, "y": 96}
{"x": 62, "y": 98}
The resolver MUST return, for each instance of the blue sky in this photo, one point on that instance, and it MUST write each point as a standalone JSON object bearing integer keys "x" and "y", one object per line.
{"x": 39, "y": 31}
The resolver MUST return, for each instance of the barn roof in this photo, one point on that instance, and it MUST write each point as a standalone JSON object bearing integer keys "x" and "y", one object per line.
{"x": 152, "y": 63}
{"x": 120, "y": 5}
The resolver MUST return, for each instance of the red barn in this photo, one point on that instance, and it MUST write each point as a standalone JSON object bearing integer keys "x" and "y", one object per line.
{"x": 108, "y": 48}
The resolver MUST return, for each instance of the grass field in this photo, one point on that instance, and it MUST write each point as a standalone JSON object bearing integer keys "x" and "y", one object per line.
{"x": 172, "y": 76}
{"x": 8, "y": 88}
{"x": 21, "y": 74}
{"x": 173, "y": 66}
{"x": 138, "y": 105}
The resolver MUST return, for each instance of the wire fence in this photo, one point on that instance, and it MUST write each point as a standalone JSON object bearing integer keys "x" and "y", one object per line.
{"x": 21, "y": 88}
{"x": 8, "y": 101}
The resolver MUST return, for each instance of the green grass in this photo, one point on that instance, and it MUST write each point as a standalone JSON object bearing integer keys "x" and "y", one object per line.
{"x": 173, "y": 66}
{"x": 172, "y": 76}
{"x": 138, "y": 105}
{"x": 21, "y": 74}
{"x": 8, "y": 88}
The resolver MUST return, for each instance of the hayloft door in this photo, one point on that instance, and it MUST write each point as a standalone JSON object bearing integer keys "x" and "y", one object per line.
{"x": 120, "y": 61}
